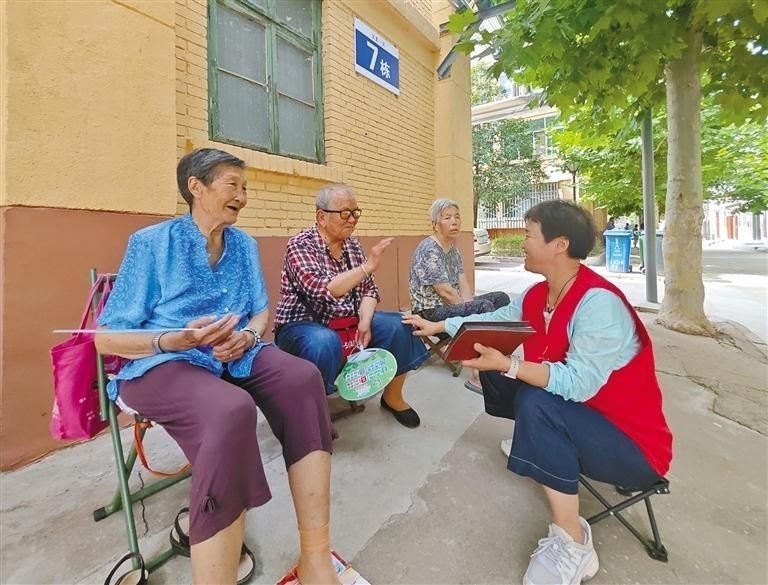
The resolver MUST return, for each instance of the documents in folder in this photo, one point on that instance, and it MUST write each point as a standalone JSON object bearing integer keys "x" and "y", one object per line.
{"x": 502, "y": 335}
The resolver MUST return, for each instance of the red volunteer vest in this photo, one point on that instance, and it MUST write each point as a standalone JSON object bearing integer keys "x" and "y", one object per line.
{"x": 631, "y": 397}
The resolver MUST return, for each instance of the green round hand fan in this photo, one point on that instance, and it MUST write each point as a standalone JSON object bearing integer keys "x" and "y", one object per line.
{"x": 366, "y": 373}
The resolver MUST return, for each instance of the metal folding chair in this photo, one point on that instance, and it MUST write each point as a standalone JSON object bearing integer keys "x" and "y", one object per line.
{"x": 654, "y": 548}
{"x": 124, "y": 498}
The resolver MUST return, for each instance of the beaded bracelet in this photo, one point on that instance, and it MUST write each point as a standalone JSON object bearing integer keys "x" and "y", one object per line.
{"x": 256, "y": 336}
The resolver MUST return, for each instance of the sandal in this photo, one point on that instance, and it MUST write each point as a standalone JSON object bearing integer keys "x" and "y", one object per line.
{"x": 247, "y": 566}
{"x": 178, "y": 536}
{"x": 138, "y": 576}
{"x": 180, "y": 545}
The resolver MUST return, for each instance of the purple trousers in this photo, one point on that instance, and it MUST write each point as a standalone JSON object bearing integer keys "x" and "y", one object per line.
{"x": 213, "y": 420}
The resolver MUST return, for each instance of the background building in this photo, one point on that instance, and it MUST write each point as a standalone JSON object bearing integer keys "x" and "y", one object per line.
{"x": 98, "y": 109}
{"x": 723, "y": 220}
{"x": 559, "y": 184}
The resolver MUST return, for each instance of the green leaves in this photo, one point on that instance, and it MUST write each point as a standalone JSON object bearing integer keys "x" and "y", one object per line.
{"x": 760, "y": 11}
{"x": 611, "y": 55}
{"x": 504, "y": 162}
{"x": 734, "y": 160}
{"x": 602, "y": 63}
{"x": 458, "y": 22}
{"x": 505, "y": 165}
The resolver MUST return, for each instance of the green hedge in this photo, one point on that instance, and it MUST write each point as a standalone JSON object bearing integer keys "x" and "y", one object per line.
{"x": 512, "y": 246}
{"x": 507, "y": 246}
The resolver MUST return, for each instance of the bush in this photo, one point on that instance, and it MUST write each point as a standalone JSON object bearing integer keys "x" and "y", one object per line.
{"x": 512, "y": 246}
{"x": 507, "y": 246}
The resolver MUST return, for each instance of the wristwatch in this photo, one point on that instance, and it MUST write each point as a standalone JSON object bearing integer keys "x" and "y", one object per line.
{"x": 513, "y": 366}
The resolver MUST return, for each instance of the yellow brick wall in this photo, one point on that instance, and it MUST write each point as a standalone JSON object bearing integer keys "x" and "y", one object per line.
{"x": 423, "y": 7}
{"x": 453, "y": 128}
{"x": 386, "y": 141}
{"x": 381, "y": 144}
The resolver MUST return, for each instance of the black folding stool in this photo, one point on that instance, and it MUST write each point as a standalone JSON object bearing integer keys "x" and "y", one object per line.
{"x": 654, "y": 548}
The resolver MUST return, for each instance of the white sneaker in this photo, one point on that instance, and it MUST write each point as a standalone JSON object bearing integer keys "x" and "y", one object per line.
{"x": 560, "y": 560}
{"x": 506, "y": 447}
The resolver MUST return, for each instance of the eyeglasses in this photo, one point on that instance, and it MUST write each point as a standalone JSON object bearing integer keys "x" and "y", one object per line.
{"x": 345, "y": 214}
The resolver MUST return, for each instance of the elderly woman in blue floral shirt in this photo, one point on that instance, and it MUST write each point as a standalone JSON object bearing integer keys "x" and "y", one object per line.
{"x": 203, "y": 383}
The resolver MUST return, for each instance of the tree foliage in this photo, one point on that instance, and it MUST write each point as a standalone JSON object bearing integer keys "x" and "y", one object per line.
{"x": 734, "y": 162}
{"x": 603, "y": 61}
{"x": 504, "y": 162}
{"x": 610, "y": 168}
{"x": 484, "y": 86}
{"x": 605, "y": 64}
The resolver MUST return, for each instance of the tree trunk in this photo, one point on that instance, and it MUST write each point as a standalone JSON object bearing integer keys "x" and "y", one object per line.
{"x": 683, "y": 306}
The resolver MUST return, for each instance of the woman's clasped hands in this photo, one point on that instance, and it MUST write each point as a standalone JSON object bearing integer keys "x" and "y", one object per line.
{"x": 217, "y": 333}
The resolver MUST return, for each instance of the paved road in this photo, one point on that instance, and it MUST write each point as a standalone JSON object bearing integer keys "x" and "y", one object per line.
{"x": 719, "y": 262}
{"x": 735, "y": 284}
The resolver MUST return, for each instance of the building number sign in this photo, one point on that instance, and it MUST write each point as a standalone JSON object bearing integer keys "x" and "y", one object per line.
{"x": 376, "y": 58}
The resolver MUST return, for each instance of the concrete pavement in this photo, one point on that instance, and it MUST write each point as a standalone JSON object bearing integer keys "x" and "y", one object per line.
{"x": 436, "y": 504}
{"x": 735, "y": 283}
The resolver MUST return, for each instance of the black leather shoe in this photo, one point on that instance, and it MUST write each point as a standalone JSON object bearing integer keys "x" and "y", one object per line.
{"x": 407, "y": 418}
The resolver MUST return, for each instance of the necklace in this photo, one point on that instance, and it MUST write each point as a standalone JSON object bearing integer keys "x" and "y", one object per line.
{"x": 551, "y": 307}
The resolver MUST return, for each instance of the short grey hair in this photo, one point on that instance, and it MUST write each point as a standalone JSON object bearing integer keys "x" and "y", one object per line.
{"x": 440, "y": 205}
{"x": 324, "y": 195}
{"x": 205, "y": 164}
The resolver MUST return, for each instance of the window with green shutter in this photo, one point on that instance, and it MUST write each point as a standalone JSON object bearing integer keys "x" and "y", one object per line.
{"x": 264, "y": 83}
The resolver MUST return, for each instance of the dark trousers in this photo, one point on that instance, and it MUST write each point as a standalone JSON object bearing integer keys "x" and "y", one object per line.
{"x": 321, "y": 345}
{"x": 485, "y": 303}
{"x": 556, "y": 439}
{"x": 213, "y": 420}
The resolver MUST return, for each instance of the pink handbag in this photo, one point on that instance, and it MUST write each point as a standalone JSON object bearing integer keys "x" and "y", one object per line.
{"x": 75, "y": 413}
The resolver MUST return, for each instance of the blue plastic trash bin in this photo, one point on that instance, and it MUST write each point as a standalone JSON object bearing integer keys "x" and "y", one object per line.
{"x": 617, "y": 246}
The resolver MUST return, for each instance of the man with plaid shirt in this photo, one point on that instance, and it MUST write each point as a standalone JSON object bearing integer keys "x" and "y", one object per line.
{"x": 326, "y": 275}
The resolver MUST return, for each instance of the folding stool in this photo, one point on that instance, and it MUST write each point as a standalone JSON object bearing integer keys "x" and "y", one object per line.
{"x": 436, "y": 346}
{"x": 352, "y": 407}
{"x": 654, "y": 548}
{"x": 124, "y": 498}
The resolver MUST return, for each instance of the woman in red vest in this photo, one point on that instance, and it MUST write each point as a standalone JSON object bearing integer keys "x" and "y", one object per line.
{"x": 585, "y": 399}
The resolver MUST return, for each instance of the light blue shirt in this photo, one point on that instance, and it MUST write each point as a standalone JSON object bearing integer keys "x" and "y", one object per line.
{"x": 165, "y": 281}
{"x": 602, "y": 338}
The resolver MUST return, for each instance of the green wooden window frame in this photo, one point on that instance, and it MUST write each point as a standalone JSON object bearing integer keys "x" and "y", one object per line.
{"x": 264, "y": 14}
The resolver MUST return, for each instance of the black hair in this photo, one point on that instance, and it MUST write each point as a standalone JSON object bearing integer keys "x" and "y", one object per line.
{"x": 567, "y": 219}
{"x": 203, "y": 163}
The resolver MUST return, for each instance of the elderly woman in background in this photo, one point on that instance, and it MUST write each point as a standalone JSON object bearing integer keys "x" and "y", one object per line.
{"x": 438, "y": 286}
{"x": 326, "y": 275}
{"x": 203, "y": 384}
